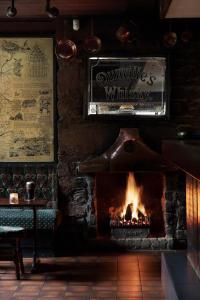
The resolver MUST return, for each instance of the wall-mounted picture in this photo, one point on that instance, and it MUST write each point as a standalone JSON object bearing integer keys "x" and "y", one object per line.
{"x": 122, "y": 86}
{"x": 26, "y": 99}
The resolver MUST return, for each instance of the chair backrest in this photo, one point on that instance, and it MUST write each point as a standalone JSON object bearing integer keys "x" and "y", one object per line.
{"x": 14, "y": 178}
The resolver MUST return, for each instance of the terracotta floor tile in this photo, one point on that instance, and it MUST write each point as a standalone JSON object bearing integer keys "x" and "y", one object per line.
{"x": 55, "y": 283}
{"x": 129, "y": 295}
{"x": 152, "y": 288}
{"x": 103, "y": 294}
{"x": 28, "y": 289}
{"x": 129, "y": 282}
{"x": 8, "y": 288}
{"x": 152, "y": 298}
{"x": 105, "y": 283}
{"x": 53, "y": 288}
{"x": 130, "y": 298}
{"x": 153, "y": 294}
{"x": 152, "y": 283}
{"x": 6, "y": 295}
{"x": 51, "y": 294}
{"x": 136, "y": 288}
{"x": 124, "y": 277}
{"x": 79, "y": 288}
{"x": 86, "y": 283}
{"x": 104, "y": 288}
{"x": 76, "y": 298}
{"x": 113, "y": 298}
{"x": 107, "y": 259}
{"x": 30, "y": 294}
{"x": 31, "y": 283}
{"x": 24, "y": 298}
{"x": 73, "y": 294}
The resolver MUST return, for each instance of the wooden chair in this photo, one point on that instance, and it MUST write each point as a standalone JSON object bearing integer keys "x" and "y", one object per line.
{"x": 10, "y": 248}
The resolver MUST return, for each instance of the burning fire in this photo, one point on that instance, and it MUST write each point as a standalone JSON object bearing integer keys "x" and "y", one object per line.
{"x": 133, "y": 212}
{"x": 132, "y": 199}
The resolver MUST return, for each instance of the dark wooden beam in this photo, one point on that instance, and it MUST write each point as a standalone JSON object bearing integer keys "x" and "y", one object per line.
{"x": 36, "y": 9}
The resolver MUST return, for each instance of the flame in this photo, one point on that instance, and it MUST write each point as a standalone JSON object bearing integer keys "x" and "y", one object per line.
{"x": 132, "y": 198}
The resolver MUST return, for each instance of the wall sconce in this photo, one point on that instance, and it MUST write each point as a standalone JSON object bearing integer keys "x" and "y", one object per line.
{"x": 53, "y": 11}
{"x": 76, "y": 24}
{"x": 11, "y": 10}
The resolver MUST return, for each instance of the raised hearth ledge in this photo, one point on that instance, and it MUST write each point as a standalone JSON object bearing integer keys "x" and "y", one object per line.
{"x": 160, "y": 243}
{"x": 185, "y": 154}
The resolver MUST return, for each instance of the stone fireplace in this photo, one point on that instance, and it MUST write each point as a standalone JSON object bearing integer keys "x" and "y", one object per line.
{"x": 137, "y": 199}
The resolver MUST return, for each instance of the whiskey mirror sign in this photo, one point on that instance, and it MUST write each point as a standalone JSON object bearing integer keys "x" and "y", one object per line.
{"x": 127, "y": 86}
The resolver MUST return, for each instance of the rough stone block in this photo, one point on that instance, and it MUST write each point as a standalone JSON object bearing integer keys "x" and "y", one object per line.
{"x": 169, "y": 219}
{"x": 181, "y": 234}
{"x": 146, "y": 244}
{"x": 181, "y": 198}
{"x": 170, "y": 243}
{"x": 169, "y": 206}
{"x": 155, "y": 244}
{"x": 163, "y": 243}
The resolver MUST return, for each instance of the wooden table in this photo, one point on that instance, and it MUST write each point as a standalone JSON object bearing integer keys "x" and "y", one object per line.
{"x": 34, "y": 205}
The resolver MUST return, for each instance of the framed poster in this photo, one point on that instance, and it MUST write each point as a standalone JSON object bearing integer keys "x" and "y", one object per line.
{"x": 127, "y": 86}
{"x": 26, "y": 99}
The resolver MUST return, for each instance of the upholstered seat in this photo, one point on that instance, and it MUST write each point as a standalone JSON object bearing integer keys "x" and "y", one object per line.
{"x": 46, "y": 218}
{"x": 7, "y": 231}
{"x": 10, "y": 237}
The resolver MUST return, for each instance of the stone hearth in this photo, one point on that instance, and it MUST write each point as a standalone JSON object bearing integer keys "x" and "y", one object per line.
{"x": 130, "y": 153}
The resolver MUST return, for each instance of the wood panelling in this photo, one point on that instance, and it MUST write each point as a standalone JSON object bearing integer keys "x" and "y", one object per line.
{"x": 36, "y": 8}
{"x": 193, "y": 221}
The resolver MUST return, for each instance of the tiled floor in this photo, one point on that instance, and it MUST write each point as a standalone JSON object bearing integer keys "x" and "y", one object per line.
{"x": 125, "y": 276}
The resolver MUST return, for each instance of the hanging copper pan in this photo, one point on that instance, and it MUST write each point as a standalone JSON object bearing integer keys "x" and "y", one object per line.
{"x": 65, "y": 48}
{"x": 127, "y": 32}
{"x": 92, "y": 43}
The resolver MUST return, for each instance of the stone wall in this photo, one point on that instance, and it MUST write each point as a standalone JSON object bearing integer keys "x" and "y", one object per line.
{"x": 80, "y": 138}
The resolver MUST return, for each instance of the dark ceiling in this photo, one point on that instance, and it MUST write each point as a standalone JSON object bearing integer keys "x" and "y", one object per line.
{"x": 36, "y": 8}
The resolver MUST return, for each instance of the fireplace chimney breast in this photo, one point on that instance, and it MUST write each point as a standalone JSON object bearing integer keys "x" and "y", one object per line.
{"x": 128, "y": 153}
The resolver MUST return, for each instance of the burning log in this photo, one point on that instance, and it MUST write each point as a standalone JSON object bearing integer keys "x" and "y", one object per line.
{"x": 129, "y": 210}
{"x": 131, "y": 215}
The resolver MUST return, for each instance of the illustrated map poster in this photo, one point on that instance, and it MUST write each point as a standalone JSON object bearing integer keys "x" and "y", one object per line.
{"x": 134, "y": 86}
{"x": 26, "y": 99}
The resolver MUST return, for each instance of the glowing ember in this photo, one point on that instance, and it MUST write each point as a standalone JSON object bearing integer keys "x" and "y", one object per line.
{"x": 133, "y": 212}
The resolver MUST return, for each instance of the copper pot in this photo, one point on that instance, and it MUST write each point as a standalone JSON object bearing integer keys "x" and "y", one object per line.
{"x": 186, "y": 36}
{"x": 65, "y": 49}
{"x": 170, "y": 39}
{"x": 92, "y": 44}
{"x": 127, "y": 33}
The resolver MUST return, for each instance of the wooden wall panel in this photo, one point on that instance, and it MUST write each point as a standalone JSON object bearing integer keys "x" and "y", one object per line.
{"x": 193, "y": 221}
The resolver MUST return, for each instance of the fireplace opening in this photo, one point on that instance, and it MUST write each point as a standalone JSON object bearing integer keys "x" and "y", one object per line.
{"x": 129, "y": 204}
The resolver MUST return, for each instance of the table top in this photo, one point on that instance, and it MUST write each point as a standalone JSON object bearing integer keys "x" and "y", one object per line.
{"x": 24, "y": 203}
